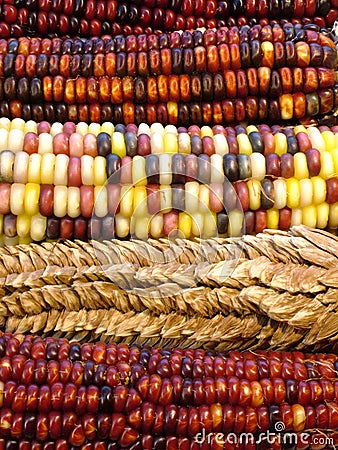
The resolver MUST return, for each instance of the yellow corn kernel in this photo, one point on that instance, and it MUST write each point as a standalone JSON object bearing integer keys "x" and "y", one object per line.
{"x": 327, "y": 165}
{"x": 300, "y": 129}
{"x": 100, "y": 172}
{"x": 18, "y": 124}
{"x": 333, "y": 215}
{"x": 334, "y": 154}
{"x": 107, "y": 127}
{"x": 309, "y": 214}
{"x": 127, "y": 201}
{"x": 184, "y": 225}
{"x": 268, "y": 53}
{"x": 300, "y": 166}
{"x": 61, "y": 170}
{"x": 254, "y": 188}
{"x": 34, "y": 168}
{"x": 251, "y": 128}
{"x": 206, "y": 131}
{"x": 118, "y": 145}
{"x": 336, "y": 139}
{"x": 140, "y": 205}
{"x": 170, "y": 143}
{"x": 236, "y": 219}
{"x": 319, "y": 190}
{"x": 323, "y": 211}
{"x": 281, "y": 145}
{"x": 94, "y": 128}
{"x": 299, "y": 417}
{"x": 329, "y": 139}
{"x": 272, "y": 218}
{"x": 32, "y": 195}
{"x": 293, "y": 193}
{"x": 23, "y": 225}
{"x": 244, "y": 144}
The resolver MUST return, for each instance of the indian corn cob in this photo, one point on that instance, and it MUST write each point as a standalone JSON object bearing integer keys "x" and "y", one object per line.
{"x": 99, "y": 17}
{"x": 279, "y": 32}
{"x": 131, "y": 397}
{"x": 236, "y": 78}
{"x": 65, "y": 182}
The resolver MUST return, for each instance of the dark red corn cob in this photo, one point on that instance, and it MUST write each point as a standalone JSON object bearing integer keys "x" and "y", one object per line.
{"x": 54, "y": 392}
{"x": 311, "y": 109}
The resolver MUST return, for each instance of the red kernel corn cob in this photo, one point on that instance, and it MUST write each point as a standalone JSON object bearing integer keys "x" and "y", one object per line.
{"x": 55, "y": 390}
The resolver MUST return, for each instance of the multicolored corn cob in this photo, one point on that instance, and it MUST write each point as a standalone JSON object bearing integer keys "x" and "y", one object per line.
{"x": 95, "y": 18}
{"x": 131, "y": 140}
{"x": 217, "y": 77}
{"x": 279, "y": 32}
{"x": 251, "y": 109}
{"x": 105, "y": 182}
{"x": 62, "y": 394}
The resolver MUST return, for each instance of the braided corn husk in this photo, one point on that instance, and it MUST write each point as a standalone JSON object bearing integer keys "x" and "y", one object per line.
{"x": 276, "y": 290}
